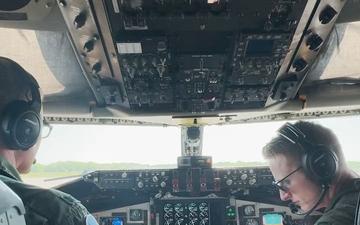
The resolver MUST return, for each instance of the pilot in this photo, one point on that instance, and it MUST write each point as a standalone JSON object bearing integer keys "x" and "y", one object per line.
{"x": 21, "y": 123}
{"x": 310, "y": 172}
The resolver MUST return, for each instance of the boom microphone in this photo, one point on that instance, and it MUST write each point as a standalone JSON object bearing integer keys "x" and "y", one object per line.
{"x": 295, "y": 208}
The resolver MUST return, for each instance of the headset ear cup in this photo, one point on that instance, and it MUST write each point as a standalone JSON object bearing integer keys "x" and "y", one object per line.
{"x": 320, "y": 164}
{"x": 20, "y": 125}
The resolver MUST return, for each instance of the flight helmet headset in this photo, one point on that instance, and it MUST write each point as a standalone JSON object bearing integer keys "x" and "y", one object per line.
{"x": 20, "y": 120}
{"x": 318, "y": 161}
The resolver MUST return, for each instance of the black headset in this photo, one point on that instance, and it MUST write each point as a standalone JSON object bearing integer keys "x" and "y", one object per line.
{"x": 21, "y": 122}
{"x": 319, "y": 162}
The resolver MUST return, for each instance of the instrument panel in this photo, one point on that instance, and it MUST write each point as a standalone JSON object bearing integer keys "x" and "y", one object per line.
{"x": 193, "y": 57}
{"x": 183, "y": 196}
{"x": 199, "y": 212}
{"x": 198, "y": 56}
{"x": 186, "y": 180}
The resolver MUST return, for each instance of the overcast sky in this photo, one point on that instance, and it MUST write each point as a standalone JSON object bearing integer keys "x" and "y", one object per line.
{"x": 162, "y": 145}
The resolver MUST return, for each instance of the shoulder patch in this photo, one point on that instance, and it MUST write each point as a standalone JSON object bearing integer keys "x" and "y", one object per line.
{"x": 90, "y": 220}
{"x": 68, "y": 199}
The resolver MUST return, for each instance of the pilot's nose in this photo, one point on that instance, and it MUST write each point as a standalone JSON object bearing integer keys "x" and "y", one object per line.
{"x": 285, "y": 195}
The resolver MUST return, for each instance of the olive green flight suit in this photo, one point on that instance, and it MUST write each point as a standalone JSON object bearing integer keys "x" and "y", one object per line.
{"x": 341, "y": 210}
{"x": 43, "y": 206}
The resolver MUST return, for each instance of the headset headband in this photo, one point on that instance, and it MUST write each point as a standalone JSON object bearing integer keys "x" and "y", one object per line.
{"x": 318, "y": 161}
{"x": 35, "y": 93}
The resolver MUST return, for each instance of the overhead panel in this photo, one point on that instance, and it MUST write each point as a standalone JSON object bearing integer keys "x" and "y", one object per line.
{"x": 196, "y": 58}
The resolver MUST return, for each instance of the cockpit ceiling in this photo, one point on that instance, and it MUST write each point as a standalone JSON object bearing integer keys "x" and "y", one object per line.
{"x": 23, "y": 47}
{"x": 344, "y": 59}
{"x": 254, "y": 74}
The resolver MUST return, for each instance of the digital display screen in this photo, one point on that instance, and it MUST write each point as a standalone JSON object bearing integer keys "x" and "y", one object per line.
{"x": 272, "y": 219}
{"x": 204, "y": 43}
{"x": 116, "y": 220}
{"x": 256, "y": 48}
{"x": 136, "y": 215}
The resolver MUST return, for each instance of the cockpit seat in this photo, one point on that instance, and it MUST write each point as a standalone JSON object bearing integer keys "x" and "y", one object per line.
{"x": 12, "y": 209}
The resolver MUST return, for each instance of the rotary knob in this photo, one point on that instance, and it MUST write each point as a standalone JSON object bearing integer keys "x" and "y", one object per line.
{"x": 124, "y": 175}
{"x": 229, "y": 182}
{"x": 163, "y": 184}
{"x": 243, "y": 176}
{"x": 155, "y": 179}
{"x": 140, "y": 184}
{"x": 252, "y": 181}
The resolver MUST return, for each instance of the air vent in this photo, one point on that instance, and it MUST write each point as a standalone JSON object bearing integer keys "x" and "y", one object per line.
{"x": 299, "y": 65}
{"x": 314, "y": 42}
{"x": 327, "y": 15}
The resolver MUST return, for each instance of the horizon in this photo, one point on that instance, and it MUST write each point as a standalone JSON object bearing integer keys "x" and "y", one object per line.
{"x": 159, "y": 145}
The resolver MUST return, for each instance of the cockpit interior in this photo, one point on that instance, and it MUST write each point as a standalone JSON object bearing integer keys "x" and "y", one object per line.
{"x": 186, "y": 63}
